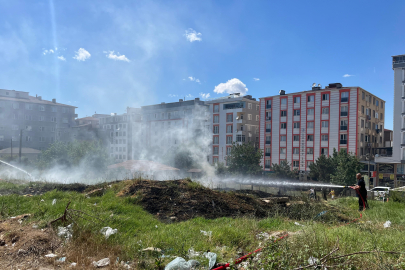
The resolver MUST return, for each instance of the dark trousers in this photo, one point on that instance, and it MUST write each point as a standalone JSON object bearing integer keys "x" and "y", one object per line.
{"x": 361, "y": 205}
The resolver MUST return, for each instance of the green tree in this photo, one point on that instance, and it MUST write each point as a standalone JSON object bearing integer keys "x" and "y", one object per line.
{"x": 322, "y": 168}
{"x": 347, "y": 166}
{"x": 220, "y": 169}
{"x": 283, "y": 170}
{"x": 245, "y": 159}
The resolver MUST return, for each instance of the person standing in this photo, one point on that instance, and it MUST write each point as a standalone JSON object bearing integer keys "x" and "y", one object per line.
{"x": 332, "y": 194}
{"x": 361, "y": 192}
{"x": 324, "y": 194}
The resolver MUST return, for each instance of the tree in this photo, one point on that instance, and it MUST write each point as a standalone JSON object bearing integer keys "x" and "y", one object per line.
{"x": 245, "y": 159}
{"x": 283, "y": 170}
{"x": 347, "y": 168}
{"x": 322, "y": 168}
{"x": 183, "y": 159}
{"x": 220, "y": 169}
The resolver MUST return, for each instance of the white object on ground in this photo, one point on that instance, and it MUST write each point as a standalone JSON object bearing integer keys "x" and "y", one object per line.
{"x": 73, "y": 265}
{"x": 42, "y": 200}
{"x": 63, "y": 259}
{"x": 102, "y": 262}
{"x": 35, "y": 226}
{"x": 181, "y": 264}
{"x": 212, "y": 257}
{"x": 51, "y": 255}
{"x": 65, "y": 232}
{"x": 107, "y": 231}
{"x": 312, "y": 260}
{"x": 296, "y": 223}
{"x": 54, "y": 202}
{"x": 387, "y": 224}
{"x": 192, "y": 253}
{"x": 263, "y": 235}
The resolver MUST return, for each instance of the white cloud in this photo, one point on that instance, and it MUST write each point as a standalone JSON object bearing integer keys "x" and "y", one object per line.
{"x": 203, "y": 95}
{"x": 347, "y": 75}
{"x": 82, "y": 55}
{"x": 194, "y": 79}
{"x": 45, "y": 52}
{"x": 189, "y": 96}
{"x": 192, "y": 35}
{"x": 256, "y": 79}
{"x": 62, "y": 58}
{"x": 231, "y": 86}
{"x": 118, "y": 57}
{"x": 172, "y": 95}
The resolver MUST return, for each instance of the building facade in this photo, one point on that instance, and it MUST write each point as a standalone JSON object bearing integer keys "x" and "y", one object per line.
{"x": 233, "y": 118}
{"x": 42, "y": 122}
{"x": 299, "y": 127}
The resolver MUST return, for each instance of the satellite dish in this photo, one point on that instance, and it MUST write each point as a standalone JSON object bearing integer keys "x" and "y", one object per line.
{"x": 319, "y": 85}
{"x": 314, "y": 84}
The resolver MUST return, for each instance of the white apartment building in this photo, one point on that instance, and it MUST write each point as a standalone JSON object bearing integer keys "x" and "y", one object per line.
{"x": 299, "y": 127}
{"x": 233, "y": 118}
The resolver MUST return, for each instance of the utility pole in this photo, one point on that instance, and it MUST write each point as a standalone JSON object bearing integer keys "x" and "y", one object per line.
{"x": 19, "y": 150}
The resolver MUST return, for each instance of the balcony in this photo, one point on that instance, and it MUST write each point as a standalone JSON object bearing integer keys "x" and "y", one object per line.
{"x": 344, "y": 99}
{"x": 268, "y": 142}
{"x": 343, "y": 141}
{"x": 343, "y": 113}
{"x": 267, "y": 154}
{"x": 269, "y": 130}
{"x": 267, "y": 166}
{"x": 343, "y": 127}
{"x": 268, "y": 106}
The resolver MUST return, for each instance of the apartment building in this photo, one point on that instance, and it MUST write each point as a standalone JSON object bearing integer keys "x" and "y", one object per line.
{"x": 168, "y": 125}
{"x": 299, "y": 127}
{"x": 233, "y": 118}
{"x": 42, "y": 122}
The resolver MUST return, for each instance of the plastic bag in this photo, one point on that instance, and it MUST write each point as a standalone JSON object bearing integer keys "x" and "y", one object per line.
{"x": 387, "y": 224}
{"x": 107, "y": 231}
{"x": 181, "y": 264}
{"x": 102, "y": 262}
{"x": 65, "y": 232}
{"x": 212, "y": 257}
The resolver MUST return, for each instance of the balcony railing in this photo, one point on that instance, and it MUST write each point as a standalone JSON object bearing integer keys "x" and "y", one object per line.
{"x": 343, "y": 127}
{"x": 268, "y": 130}
{"x": 268, "y": 106}
{"x": 268, "y": 142}
{"x": 343, "y": 113}
{"x": 343, "y": 141}
{"x": 267, "y": 154}
{"x": 344, "y": 99}
{"x": 268, "y": 118}
{"x": 267, "y": 166}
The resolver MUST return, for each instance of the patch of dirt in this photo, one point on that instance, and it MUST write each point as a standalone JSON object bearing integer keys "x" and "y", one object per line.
{"x": 24, "y": 247}
{"x": 179, "y": 200}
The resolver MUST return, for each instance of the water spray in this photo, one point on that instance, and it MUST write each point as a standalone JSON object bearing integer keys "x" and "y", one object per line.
{"x": 15, "y": 167}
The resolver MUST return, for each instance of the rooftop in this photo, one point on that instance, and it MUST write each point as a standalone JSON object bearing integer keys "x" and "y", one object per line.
{"x": 24, "y": 150}
{"x": 32, "y": 99}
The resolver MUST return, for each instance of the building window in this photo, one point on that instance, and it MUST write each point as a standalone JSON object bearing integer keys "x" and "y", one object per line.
{"x": 310, "y": 111}
{"x": 325, "y": 110}
{"x": 309, "y": 163}
{"x": 283, "y": 113}
{"x": 296, "y": 151}
{"x": 268, "y": 139}
{"x": 296, "y": 124}
{"x": 267, "y": 153}
{"x": 363, "y": 95}
{"x": 362, "y": 109}
{"x": 324, "y": 137}
{"x": 216, "y": 108}
{"x": 257, "y": 107}
{"x": 228, "y": 139}
{"x": 362, "y": 123}
{"x": 229, "y": 129}
{"x": 41, "y": 108}
{"x": 41, "y": 128}
{"x": 282, "y": 150}
{"x": 42, "y": 139}
{"x": 382, "y": 105}
{"x": 310, "y": 125}
{"x": 240, "y": 138}
{"x": 216, "y": 130}
{"x": 325, "y": 96}
{"x": 310, "y": 151}
{"x": 283, "y": 125}
{"x": 283, "y": 101}
{"x": 343, "y": 138}
{"x": 296, "y": 138}
{"x": 216, "y": 118}
{"x": 381, "y": 116}
{"x": 373, "y": 100}
{"x": 228, "y": 151}
{"x": 268, "y": 104}
{"x": 268, "y": 127}
{"x": 324, "y": 151}
{"x": 296, "y": 163}
{"x": 257, "y": 118}
{"x": 216, "y": 140}
{"x": 297, "y": 99}
{"x": 325, "y": 124}
{"x": 297, "y": 112}
{"x": 28, "y": 128}
{"x": 376, "y": 103}
{"x": 310, "y": 138}
{"x": 249, "y": 106}
{"x": 249, "y": 117}
{"x": 27, "y": 138}
{"x": 343, "y": 111}
{"x": 283, "y": 138}
{"x": 267, "y": 164}
{"x": 344, "y": 97}
{"x": 361, "y": 137}
{"x": 311, "y": 98}
{"x": 376, "y": 115}
{"x": 268, "y": 116}
{"x": 343, "y": 125}
{"x": 216, "y": 150}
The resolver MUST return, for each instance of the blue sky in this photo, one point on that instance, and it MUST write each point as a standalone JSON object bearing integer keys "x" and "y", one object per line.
{"x": 107, "y": 55}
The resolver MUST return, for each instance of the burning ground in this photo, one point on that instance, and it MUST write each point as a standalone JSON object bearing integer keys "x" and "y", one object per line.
{"x": 179, "y": 218}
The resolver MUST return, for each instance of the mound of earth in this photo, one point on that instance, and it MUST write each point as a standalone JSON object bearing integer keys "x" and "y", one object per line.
{"x": 184, "y": 199}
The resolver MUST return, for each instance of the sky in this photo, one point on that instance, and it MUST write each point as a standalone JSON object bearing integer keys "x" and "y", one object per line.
{"x": 103, "y": 56}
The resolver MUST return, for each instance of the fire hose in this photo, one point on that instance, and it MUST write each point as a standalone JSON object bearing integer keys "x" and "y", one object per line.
{"x": 241, "y": 259}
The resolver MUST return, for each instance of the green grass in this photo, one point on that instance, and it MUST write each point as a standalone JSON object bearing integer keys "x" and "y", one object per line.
{"x": 138, "y": 229}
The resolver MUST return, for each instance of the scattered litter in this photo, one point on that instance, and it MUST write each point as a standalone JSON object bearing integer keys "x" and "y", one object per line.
{"x": 387, "y": 224}
{"x": 51, "y": 255}
{"x": 102, "y": 262}
{"x": 313, "y": 260}
{"x": 42, "y": 200}
{"x": 107, "y": 231}
{"x": 65, "y": 232}
{"x": 54, "y": 202}
{"x": 35, "y": 226}
{"x": 95, "y": 204}
{"x": 63, "y": 259}
{"x": 181, "y": 264}
{"x": 207, "y": 233}
{"x": 192, "y": 253}
{"x": 73, "y": 264}
{"x": 321, "y": 214}
{"x": 156, "y": 226}
{"x": 13, "y": 217}
{"x": 13, "y": 245}
{"x": 111, "y": 215}
{"x": 150, "y": 249}
{"x": 296, "y": 223}
{"x": 212, "y": 258}
{"x": 263, "y": 235}
{"x": 125, "y": 265}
